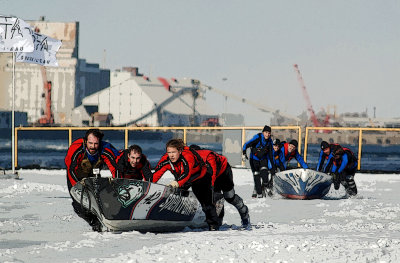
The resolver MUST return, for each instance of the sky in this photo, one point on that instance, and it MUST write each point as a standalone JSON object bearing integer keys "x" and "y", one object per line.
{"x": 347, "y": 51}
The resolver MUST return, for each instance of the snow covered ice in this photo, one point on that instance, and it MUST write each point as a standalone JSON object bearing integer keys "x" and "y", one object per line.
{"x": 37, "y": 224}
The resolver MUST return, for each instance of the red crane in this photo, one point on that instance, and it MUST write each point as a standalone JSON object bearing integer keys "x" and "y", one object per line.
{"x": 48, "y": 117}
{"x": 306, "y": 97}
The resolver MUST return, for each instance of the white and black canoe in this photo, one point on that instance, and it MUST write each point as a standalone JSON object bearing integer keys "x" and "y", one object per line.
{"x": 302, "y": 183}
{"x": 128, "y": 204}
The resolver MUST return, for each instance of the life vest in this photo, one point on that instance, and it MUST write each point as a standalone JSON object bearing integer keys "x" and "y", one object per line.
{"x": 85, "y": 168}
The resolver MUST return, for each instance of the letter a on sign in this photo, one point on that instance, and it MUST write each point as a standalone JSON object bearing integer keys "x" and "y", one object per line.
{"x": 15, "y": 35}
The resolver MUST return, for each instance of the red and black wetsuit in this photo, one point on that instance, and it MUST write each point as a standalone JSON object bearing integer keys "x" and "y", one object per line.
{"x": 79, "y": 166}
{"x": 186, "y": 170}
{"x": 222, "y": 180}
{"x": 216, "y": 164}
{"x": 190, "y": 171}
{"x": 142, "y": 171}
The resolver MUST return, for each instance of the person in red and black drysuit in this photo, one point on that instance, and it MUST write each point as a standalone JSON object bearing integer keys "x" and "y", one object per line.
{"x": 189, "y": 170}
{"x": 133, "y": 164}
{"x": 342, "y": 163}
{"x": 290, "y": 151}
{"x": 84, "y": 155}
{"x": 222, "y": 180}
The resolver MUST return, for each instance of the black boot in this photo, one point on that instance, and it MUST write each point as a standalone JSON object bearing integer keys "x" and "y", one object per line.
{"x": 213, "y": 227}
{"x": 336, "y": 181}
{"x": 95, "y": 224}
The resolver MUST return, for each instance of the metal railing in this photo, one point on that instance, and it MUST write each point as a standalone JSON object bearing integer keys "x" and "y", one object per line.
{"x": 127, "y": 129}
{"x": 360, "y": 137}
{"x": 310, "y": 137}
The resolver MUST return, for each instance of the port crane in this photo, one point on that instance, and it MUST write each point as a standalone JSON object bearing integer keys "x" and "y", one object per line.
{"x": 258, "y": 106}
{"x": 47, "y": 116}
{"x": 198, "y": 88}
{"x": 310, "y": 109}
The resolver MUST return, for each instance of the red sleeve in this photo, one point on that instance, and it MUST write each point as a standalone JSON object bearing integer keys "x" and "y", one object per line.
{"x": 192, "y": 170}
{"x": 120, "y": 164}
{"x": 162, "y": 166}
{"x": 72, "y": 160}
{"x": 109, "y": 157}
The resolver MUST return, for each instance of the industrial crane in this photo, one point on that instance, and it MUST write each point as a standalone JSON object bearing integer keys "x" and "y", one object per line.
{"x": 47, "y": 115}
{"x": 259, "y": 106}
{"x": 306, "y": 97}
{"x": 195, "y": 89}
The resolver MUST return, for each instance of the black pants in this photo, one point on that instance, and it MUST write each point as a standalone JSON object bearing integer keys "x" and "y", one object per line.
{"x": 260, "y": 173}
{"x": 225, "y": 184}
{"x": 347, "y": 180}
{"x": 203, "y": 191}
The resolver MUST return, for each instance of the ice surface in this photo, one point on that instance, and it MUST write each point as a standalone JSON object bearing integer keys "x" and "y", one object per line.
{"x": 37, "y": 224}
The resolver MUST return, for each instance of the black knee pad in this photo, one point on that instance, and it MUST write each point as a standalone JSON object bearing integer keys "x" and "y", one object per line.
{"x": 229, "y": 195}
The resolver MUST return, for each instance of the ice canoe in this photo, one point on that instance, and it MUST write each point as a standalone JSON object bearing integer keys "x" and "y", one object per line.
{"x": 128, "y": 204}
{"x": 302, "y": 184}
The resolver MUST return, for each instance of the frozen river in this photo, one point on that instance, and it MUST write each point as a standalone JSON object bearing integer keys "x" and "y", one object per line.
{"x": 37, "y": 224}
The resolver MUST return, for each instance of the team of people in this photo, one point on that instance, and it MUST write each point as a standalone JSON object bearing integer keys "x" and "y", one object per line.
{"x": 206, "y": 172}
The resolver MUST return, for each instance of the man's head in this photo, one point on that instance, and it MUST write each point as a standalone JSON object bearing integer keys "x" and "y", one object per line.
{"x": 134, "y": 155}
{"x": 325, "y": 147}
{"x": 92, "y": 140}
{"x": 292, "y": 145}
{"x": 276, "y": 145}
{"x": 195, "y": 147}
{"x": 338, "y": 154}
{"x": 266, "y": 132}
{"x": 174, "y": 149}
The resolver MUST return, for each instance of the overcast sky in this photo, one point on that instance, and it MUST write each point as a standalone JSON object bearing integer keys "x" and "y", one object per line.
{"x": 347, "y": 50}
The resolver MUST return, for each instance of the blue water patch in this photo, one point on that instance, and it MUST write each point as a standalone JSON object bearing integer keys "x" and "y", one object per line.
{"x": 48, "y": 149}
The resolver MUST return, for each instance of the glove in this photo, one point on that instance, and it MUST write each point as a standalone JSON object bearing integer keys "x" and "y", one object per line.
{"x": 173, "y": 184}
{"x": 244, "y": 156}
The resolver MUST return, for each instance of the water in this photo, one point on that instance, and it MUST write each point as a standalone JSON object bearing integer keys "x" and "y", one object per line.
{"x": 44, "y": 149}
{"x": 47, "y": 149}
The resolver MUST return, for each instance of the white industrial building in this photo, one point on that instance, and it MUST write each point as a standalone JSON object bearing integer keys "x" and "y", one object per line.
{"x": 71, "y": 81}
{"x": 133, "y": 99}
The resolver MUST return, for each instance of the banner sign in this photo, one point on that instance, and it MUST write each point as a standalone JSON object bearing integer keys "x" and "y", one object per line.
{"x": 44, "y": 53}
{"x": 15, "y": 35}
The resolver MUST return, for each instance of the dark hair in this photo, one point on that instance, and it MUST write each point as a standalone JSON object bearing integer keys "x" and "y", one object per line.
{"x": 195, "y": 147}
{"x": 294, "y": 142}
{"x": 339, "y": 153}
{"x": 266, "y": 128}
{"x": 135, "y": 148}
{"x": 96, "y": 133}
{"x": 176, "y": 143}
{"x": 324, "y": 145}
